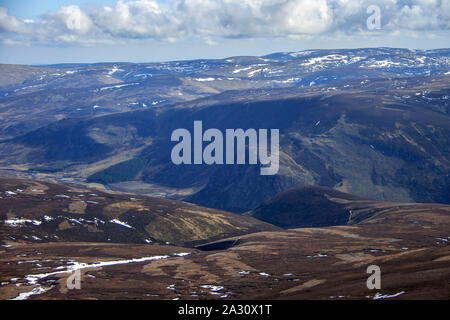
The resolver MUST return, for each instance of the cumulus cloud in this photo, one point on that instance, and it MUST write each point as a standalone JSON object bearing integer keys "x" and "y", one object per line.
{"x": 175, "y": 19}
{"x": 138, "y": 19}
{"x": 9, "y": 23}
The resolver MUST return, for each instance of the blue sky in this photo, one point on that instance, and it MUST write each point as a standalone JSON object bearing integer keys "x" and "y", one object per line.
{"x": 30, "y": 9}
{"x": 46, "y": 31}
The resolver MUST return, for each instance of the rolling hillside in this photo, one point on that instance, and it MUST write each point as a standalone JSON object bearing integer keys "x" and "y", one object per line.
{"x": 40, "y": 248}
{"x": 34, "y": 96}
{"x": 382, "y": 140}
{"x": 313, "y": 206}
{"x": 38, "y": 212}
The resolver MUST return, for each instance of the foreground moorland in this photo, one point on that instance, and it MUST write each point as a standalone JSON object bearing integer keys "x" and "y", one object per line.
{"x": 43, "y": 224}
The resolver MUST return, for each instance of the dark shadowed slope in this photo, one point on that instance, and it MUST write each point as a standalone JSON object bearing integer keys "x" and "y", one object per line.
{"x": 385, "y": 140}
{"x": 314, "y": 206}
{"x": 306, "y": 207}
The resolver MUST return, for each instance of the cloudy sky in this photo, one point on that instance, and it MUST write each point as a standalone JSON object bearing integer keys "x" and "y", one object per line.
{"x": 54, "y": 31}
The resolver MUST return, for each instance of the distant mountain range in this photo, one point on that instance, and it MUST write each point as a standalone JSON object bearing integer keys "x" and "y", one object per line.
{"x": 370, "y": 122}
{"x": 36, "y": 96}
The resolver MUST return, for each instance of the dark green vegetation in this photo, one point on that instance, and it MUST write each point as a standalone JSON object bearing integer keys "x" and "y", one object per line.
{"x": 123, "y": 171}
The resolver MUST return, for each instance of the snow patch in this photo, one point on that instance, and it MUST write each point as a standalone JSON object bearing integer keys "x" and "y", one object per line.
{"x": 117, "y": 221}
{"x": 387, "y": 296}
{"x": 204, "y": 79}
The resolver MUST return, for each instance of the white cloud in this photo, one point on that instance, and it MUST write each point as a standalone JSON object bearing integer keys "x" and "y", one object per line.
{"x": 10, "y": 23}
{"x": 72, "y": 18}
{"x": 212, "y": 19}
{"x": 423, "y": 15}
{"x": 137, "y": 19}
{"x": 304, "y": 17}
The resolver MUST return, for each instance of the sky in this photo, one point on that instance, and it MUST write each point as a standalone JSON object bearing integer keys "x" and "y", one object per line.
{"x": 62, "y": 31}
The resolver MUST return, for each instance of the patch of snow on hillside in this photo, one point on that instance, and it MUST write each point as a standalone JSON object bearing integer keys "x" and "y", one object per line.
{"x": 382, "y": 64}
{"x": 118, "y": 86}
{"x": 240, "y": 70}
{"x": 182, "y": 254}
{"x": 15, "y": 222}
{"x": 387, "y": 296}
{"x": 114, "y": 70}
{"x": 300, "y": 54}
{"x": 328, "y": 58}
{"x": 290, "y": 80}
{"x": 204, "y": 79}
{"x": 253, "y": 72}
{"x": 117, "y": 221}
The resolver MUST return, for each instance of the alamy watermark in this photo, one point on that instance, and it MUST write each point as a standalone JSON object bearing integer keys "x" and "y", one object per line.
{"x": 73, "y": 282}
{"x": 234, "y": 151}
{"x": 374, "y": 281}
{"x": 373, "y": 22}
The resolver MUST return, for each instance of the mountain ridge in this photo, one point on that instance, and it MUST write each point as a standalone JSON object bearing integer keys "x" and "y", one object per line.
{"x": 374, "y": 131}
{"x": 93, "y": 89}
{"x": 404, "y": 132}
